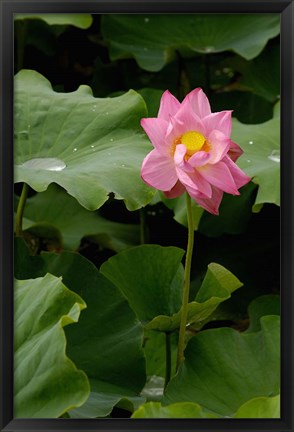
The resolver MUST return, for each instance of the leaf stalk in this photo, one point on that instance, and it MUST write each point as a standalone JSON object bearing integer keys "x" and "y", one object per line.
{"x": 20, "y": 210}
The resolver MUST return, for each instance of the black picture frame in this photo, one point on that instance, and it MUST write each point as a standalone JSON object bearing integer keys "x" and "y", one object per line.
{"x": 286, "y": 10}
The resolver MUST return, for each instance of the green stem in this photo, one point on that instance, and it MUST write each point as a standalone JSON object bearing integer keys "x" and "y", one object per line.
{"x": 20, "y": 210}
{"x": 167, "y": 359}
{"x": 184, "y": 314}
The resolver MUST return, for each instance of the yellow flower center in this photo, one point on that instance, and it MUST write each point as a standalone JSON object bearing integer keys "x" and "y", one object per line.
{"x": 193, "y": 141}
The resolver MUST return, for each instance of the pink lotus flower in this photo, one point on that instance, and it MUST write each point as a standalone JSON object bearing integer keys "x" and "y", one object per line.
{"x": 192, "y": 151}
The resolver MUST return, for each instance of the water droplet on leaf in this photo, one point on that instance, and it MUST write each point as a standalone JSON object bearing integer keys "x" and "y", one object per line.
{"x": 208, "y": 49}
{"x": 23, "y": 133}
{"x": 49, "y": 164}
{"x": 275, "y": 156}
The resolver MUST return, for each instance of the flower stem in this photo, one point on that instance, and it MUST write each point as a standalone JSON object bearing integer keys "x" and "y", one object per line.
{"x": 20, "y": 210}
{"x": 184, "y": 314}
{"x": 167, "y": 359}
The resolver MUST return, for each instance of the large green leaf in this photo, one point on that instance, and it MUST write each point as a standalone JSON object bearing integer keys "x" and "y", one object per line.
{"x": 261, "y": 158}
{"x": 151, "y": 278}
{"x": 36, "y": 33}
{"x": 114, "y": 362}
{"x": 46, "y": 382}
{"x": 262, "y": 407}
{"x": 261, "y": 75}
{"x": 78, "y": 20}
{"x": 223, "y": 368}
{"x": 55, "y": 209}
{"x": 156, "y": 345}
{"x": 153, "y": 39}
{"x": 262, "y": 306}
{"x": 103, "y": 398}
{"x": 177, "y": 410}
{"x": 217, "y": 287}
{"x": 277, "y": 110}
{"x": 89, "y": 146}
{"x": 155, "y": 352}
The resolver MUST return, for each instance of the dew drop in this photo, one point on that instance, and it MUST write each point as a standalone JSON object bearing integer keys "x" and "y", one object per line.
{"x": 123, "y": 165}
{"x": 275, "y": 156}
{"x": 109, "y": 154}
{"x": 49, "y": 164}
{"x": 250, "y": 142}
{"x": 75, "y": 149}
{"x": 24, "y": 133}
{"x": 106, "y": 113}
{"x": 248, "y": 160}
{"x": 146, "y": 20}
{"x": 29, "y": 126}
{"x": 111, "y": 139}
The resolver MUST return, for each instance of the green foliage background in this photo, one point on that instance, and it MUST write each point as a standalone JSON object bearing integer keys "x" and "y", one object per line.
{"x": 100, "y": 266}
